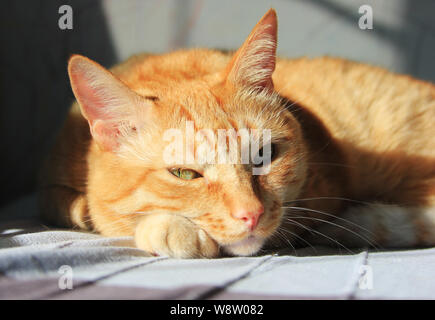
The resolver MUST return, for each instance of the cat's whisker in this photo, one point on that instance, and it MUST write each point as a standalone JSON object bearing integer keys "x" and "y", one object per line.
{"x": 334, "y": 216}
{"x": 299, "y": 237}
{"x": 370, "y": 204}
{"x": 329, "y": 198}
{"x": 310, "y": 230}
{"x": 320, "y": 233}
{"x": 285, "y": 239}
{"x": 338, "y": 226}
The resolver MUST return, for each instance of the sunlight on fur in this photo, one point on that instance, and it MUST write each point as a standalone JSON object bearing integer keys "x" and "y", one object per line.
{"x": 353, "y": 159}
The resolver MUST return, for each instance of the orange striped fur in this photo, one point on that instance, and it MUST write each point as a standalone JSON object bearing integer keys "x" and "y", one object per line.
{"x": 346, "y": 133}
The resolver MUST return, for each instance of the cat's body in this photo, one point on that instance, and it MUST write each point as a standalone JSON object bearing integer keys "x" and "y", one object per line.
{"x": 352, "y": 134}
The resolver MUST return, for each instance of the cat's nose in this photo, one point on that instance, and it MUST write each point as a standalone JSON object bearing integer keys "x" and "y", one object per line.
{"x": 249, "y": 215}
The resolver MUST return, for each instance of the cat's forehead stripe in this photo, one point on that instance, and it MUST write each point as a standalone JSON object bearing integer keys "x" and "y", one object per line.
{"x": 152, "y": 98}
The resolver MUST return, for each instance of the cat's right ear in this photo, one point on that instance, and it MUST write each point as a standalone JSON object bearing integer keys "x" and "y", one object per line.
{"x": 253, "y": 64}
{"x": 106, "y": 102}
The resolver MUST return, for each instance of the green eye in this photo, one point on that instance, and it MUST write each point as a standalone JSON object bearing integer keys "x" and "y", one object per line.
{"x": 185, "y": 174}
{"x": 270, "y": 153}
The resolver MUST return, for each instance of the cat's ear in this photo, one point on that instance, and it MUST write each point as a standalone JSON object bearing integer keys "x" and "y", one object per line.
{"x": 253, "y": 64}
{"x": 105, "y": 101}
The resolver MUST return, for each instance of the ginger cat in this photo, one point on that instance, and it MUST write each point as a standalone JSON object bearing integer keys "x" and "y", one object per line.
{"x": 352, "y": 152}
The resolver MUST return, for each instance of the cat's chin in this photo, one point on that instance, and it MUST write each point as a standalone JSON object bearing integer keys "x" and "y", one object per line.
{"x": 245, "y": 247}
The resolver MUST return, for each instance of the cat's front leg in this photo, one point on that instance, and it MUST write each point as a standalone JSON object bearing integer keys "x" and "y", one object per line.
{"x": 174, "y": 236}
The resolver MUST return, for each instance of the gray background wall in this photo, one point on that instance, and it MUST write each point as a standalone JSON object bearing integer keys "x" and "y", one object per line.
{"x": 34, "y": 89}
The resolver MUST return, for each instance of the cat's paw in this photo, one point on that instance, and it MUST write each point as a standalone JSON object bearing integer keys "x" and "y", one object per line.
{"x": 174, "y": 236}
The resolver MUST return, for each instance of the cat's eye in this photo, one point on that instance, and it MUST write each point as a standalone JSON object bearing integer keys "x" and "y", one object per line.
{"x": 185, "y": 174}
{"x": 267, "y": 152}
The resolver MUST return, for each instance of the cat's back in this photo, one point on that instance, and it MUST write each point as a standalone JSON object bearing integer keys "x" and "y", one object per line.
{"x": 383, "y": 123}
{"x": 361, "y": 104}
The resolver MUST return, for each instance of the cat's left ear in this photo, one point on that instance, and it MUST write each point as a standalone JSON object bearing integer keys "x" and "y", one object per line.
{"x": 253, "y": 64}
{"x": 110, "y": 107}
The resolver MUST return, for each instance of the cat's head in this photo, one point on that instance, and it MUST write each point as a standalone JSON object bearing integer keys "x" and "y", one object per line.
{"x": 140, "y": 117}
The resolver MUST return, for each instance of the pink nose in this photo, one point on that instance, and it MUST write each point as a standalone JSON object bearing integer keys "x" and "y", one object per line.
{"x": 249, "y": 216}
